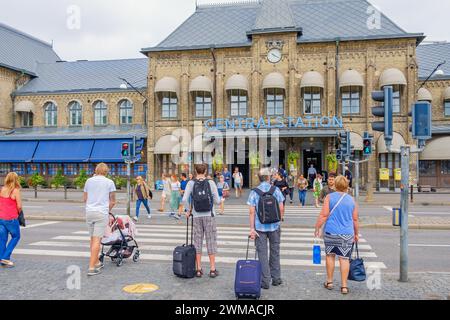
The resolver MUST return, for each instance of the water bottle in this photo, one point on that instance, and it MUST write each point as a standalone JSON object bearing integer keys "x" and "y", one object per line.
{"x": 317, "y": 255}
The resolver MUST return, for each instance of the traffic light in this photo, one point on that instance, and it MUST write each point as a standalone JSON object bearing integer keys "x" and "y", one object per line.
{"x": 345, "y": 144}
{"x": 386, "y": 110}
{"x": 126, "y": 150}
{"x": 368, "y": 146}
{"x": 421, "y": 121}
{"x": 339, "y": 156}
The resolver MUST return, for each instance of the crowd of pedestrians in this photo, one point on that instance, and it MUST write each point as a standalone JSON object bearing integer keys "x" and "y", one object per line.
{"x": 201, "y": 197}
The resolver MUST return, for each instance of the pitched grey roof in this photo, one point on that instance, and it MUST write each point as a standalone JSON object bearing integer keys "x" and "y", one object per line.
{"x": 109, "y": 132}
{"x": 81, "y": 76}
{"x": 429, "y": 56}
{"x": 227, "y": 25}
{"x": 22, "y": 52}
{"x": 274, "y": 15}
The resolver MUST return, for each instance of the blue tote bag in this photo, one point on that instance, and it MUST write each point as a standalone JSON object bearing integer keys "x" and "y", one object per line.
{"x": 357, "y": 269}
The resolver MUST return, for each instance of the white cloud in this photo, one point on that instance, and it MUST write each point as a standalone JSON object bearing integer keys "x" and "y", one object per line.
{"x": 112, "y": 29}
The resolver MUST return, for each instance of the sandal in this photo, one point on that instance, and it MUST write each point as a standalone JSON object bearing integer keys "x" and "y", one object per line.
{"x": 199, "y": 273}
{"x": 347, "y": 291}
{"x": 328, "y": 285}
{"x": 213, "y": 273}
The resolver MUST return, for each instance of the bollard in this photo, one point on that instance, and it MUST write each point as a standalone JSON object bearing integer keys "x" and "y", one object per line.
{"x": 412, "y": 193}
{"x": 65, "y": 192}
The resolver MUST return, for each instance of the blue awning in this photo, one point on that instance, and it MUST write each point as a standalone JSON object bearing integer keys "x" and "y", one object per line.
{"x": 17, "y": 151}
{"x": 108, "y": 151}
{"x": 63, "y": 151}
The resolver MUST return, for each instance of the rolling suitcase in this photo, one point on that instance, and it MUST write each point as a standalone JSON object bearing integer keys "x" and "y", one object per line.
{"x": 184, "y": 256}
{"x": 248, "y": 278}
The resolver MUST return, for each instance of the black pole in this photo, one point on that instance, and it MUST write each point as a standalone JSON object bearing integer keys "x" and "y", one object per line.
{"x": 432, "y": 73}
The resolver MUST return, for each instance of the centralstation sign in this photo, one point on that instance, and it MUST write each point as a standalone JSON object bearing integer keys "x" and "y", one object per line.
{"x": 308, "y": 122}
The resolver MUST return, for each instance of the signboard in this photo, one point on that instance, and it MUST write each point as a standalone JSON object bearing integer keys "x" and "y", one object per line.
{"x": 398, "y": 174}
{"x": 384, "y": 174}
{"x": 307, "y": 122}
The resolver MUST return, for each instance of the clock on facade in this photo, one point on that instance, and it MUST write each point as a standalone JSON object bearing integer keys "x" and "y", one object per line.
{"x": 274, "y": 55}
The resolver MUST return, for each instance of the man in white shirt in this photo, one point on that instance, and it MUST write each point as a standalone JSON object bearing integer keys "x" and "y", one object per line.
{"x": 100, "y": 198}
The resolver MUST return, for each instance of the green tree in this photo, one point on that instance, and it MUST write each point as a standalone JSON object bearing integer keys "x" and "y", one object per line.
{"x": 59, "y": 180}
{"x": 37, "y": 180}
{"x": 80, "y": 181}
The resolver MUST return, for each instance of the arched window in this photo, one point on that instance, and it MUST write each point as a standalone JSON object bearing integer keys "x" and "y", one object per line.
{"x": 100, "y": 113}
{"x": 351, "y": 100}
{"x": 275, "y": 101}
{"x": 51, "y": 114}
{"x": 238, "y": 103}
{"x": 75, "y": 114}
{"x": 169, "y": 103}
{"x": 203, "y": 104}
{"x": 126, "y": 112}
{"x": 312, "y": 100}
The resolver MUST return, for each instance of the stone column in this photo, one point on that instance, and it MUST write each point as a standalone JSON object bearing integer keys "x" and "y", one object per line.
{"x": 256, "y": 103}
{"x": 293, "y": 88}
{"x": 330, "y": 90}
{"x": 412, "y": 76}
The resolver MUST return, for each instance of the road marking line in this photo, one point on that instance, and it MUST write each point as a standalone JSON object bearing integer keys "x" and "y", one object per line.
{"x": 431, "y": 245}
{"x": 183, "y": 228}
{"x": 41, "y": 224}
{"x": 175, "y": 242}
{"x": 307, "y": 253}
{"x": 160, "y": 257}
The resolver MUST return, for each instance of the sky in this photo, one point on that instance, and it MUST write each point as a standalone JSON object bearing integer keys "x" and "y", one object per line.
{"x": 118, "y": 29}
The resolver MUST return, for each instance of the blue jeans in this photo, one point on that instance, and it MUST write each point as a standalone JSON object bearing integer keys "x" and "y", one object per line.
{"x": 138, "y": 206}
{"x": 8, "y": 228}
{"x": 302, "y": 196}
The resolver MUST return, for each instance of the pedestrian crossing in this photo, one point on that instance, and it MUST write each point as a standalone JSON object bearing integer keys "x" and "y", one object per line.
{"x": 294, "y": 211}
{"x": 156, "y": 243}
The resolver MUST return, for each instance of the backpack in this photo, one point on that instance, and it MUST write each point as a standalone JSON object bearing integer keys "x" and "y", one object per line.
{"x": 202, "y": 196}
{"x": 268, "y": 208}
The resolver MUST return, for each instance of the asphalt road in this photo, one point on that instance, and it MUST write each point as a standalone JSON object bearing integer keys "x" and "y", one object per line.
{"x": 49, "y": 252}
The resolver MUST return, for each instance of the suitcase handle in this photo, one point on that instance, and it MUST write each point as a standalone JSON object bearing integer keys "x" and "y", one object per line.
{"x": 248, "y": 248}
{"x": 192, "y": 230}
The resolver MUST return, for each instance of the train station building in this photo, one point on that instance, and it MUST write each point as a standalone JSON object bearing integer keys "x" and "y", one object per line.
{"x": 232, "y": 85}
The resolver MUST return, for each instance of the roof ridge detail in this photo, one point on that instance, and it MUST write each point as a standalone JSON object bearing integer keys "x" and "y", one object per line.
{"x": 228, "y": 4}
{"x": 274, "y": 14}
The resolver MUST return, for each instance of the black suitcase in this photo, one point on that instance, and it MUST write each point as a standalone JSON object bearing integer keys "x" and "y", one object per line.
{"x": 184, "y": 256}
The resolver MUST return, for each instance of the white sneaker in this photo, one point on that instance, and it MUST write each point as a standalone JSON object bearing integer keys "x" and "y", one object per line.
{"x": 149, "y": 216}
{"x": 136, "y": 219}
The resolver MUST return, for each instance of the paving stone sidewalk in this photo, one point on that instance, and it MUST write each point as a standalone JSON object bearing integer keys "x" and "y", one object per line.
{"x": 38, "y": 279}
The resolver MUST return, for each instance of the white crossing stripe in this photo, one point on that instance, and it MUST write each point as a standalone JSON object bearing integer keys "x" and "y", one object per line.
{"x": 157, "y": 242}
{"x": 41, "y": 224}
{"x": 166, "y": 258}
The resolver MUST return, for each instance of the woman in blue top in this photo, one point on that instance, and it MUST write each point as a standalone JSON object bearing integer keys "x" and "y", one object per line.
{"x": 340, "y": 216}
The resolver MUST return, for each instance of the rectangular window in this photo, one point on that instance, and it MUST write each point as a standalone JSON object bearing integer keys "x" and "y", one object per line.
{"x": 312, "y": 100}
{"x": 4, "y": 169}
{"x": 71, "y": 169}
{"x": 238, "y": 100}
{"x": 121, "y": 170}
{"x": 427, "y": 168}
{"x": 275, "y": 102}
{"x": 112, "y": 169}
{"x": 169, "y": 105}
{"x": 447, "y": 108}
{"x": 140, "y": 170}
{"x": 87, "y": 167}
{"x": 203, "y": 105}
{"x": 53, "y": 169}
{"x": 351, "y": 100}
{"x": 33, "y": 168}
{"x": 445, "y": 167}
{"x": 27, "y": 119}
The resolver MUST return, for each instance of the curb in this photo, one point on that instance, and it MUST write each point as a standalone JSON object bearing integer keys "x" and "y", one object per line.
{"x": 411, "y": 226}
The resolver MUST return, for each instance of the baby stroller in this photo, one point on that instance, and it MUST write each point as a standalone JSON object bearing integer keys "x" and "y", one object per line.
{"x": 120, "y": 238}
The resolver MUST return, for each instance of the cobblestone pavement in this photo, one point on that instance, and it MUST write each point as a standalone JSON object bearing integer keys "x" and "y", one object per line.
{"x": 39, "y": 279}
